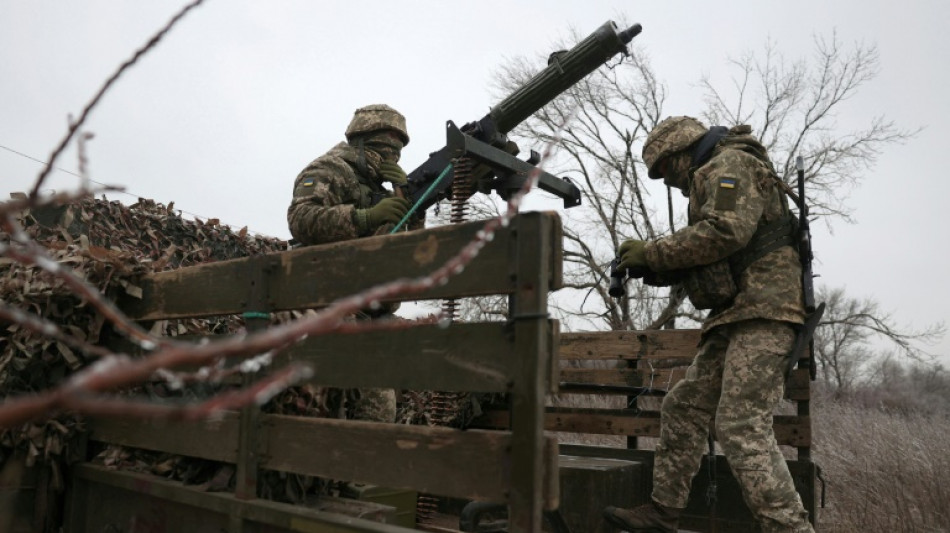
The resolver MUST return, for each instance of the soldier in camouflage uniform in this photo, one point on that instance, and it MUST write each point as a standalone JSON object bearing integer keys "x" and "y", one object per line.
{"x": 340, "y": 196}
{"x": 737, "y": 377}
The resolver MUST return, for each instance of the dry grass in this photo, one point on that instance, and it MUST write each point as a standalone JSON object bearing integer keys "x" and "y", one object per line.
{"x": 884, "y": 471}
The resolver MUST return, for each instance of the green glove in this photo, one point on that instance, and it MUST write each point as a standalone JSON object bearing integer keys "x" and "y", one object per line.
{"x": 632, "y": 255}
{"x": 392, "y": 172}
{"x": 387, "y": 211}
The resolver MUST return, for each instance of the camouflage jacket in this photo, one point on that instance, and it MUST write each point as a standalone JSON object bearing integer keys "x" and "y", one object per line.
{"x": 731, "y": 196}
{"x": 327, "y": 193}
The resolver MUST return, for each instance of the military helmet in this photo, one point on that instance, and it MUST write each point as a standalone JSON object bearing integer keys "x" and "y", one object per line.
{"x": 671, "y": 135}
{"x": 377, "y": 117}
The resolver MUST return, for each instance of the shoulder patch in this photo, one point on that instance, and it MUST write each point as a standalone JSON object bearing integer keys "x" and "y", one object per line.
{"x": 307, "y": 182}
{"x": 726, "y": 195}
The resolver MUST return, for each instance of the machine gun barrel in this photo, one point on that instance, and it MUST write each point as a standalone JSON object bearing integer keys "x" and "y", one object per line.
{"x": 564, "y": 70}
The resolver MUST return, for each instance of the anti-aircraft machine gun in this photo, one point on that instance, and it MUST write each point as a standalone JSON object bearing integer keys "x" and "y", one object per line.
{"x": 479, "y": 157}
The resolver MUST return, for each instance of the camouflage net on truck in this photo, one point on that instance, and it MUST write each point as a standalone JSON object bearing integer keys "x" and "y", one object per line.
{"x": 111, "y": 245}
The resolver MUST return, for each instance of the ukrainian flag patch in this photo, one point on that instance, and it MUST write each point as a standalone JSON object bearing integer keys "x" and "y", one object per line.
{"x": 308, "y": 182}
{"x": 727, "y": 195}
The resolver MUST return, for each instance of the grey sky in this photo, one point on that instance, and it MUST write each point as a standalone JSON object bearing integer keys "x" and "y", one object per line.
{"x": 226, "y": 111}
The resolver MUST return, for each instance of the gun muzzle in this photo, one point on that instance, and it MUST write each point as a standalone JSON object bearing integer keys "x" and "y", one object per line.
{"x": 628, "y": 34}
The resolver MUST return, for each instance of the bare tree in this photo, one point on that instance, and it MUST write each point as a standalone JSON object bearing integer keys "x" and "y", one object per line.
{"x": 611, "y": 112}
{"x": 843, "y": 340}
{"x": 791, "y": 106}
{"x": 896, "y": 385}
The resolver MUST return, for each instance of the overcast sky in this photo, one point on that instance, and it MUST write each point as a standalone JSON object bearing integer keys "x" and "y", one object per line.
{"x": 239, "y": 97}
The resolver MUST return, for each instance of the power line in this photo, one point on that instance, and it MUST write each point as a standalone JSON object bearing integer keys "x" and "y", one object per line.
{"x": 136, "y": 196}
{"x": 31, "y": 158}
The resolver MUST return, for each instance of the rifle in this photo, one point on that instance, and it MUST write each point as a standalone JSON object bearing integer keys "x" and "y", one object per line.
{"x": 485, "y": 141}
{"x": 804, "y": 339}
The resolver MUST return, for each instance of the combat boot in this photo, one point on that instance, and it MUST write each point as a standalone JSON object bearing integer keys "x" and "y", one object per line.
{"x": 648, "y": 518}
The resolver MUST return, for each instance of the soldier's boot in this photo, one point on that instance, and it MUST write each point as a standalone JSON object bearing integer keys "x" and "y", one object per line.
{"x": 648, "y": 518}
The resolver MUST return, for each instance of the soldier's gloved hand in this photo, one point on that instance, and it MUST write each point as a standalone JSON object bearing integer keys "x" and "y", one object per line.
{"x": 387, "y": 211}
{"x": 392, "y": 172}
{"x": 633, "y": 256}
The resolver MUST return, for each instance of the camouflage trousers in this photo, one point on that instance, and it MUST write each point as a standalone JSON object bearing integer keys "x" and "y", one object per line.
{"x": 736, "y": 380}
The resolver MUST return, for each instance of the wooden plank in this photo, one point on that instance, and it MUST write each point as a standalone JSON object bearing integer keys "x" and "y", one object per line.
{"x": 659, "y": 344}
{"x": 471, "y": 464}
{"x": 633, "y": 377}
{"x": 246, "y": 471}
{"x": 467, "y": 464}
{"x": 277, "y": 515}
{"x": 215, "y": 440}
{"x": 604, "y": 422}
{"x": 477, "y": 357}
{"x": 315, "y": 276}
{"x": 553, "y": 232}
{"x": 528, "y": 311}
{"x": 789, "y": 430}
{"x": 798, "y": 386}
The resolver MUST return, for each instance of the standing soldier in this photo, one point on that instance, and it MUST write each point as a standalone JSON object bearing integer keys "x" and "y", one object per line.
{"x": 737, "y": 258}
{"x": 340, "y": 196}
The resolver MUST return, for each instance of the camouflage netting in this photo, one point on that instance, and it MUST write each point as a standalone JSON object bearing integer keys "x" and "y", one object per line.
{"x": 110, "y": 245}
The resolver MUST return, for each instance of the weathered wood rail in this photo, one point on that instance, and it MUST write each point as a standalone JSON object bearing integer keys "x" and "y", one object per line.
{"x": 516, "y": 357}
{"x": 650, "y": 359}
{"x": 618, "y": 364}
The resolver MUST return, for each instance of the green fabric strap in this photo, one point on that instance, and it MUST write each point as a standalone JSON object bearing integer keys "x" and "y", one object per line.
{"x": 422, "y": 199}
